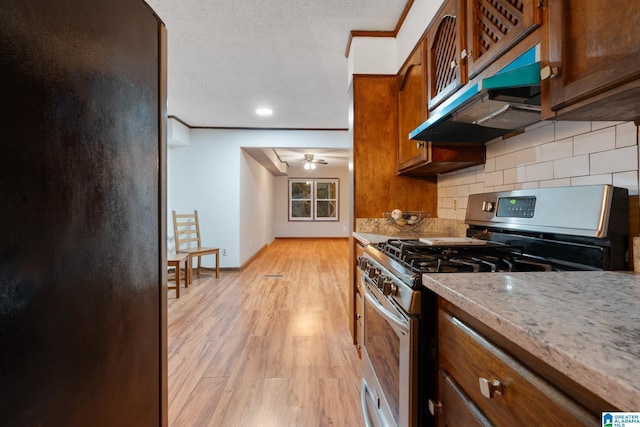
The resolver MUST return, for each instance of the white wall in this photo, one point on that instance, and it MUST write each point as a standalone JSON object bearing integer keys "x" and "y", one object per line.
{"x": 285, "y": 228}
{"x": 385, "y": 55}
{"x": 256, "y": 206}
{"x": 206, "y": 176}
{"x": 547, "y": 154}
{"x": 234, "y": 195}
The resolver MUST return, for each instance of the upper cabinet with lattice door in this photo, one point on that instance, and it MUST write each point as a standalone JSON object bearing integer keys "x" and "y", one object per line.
{"x": 445, "y": 38}
{"x": 467, "y": 36}
{"x": 495, "y": 26}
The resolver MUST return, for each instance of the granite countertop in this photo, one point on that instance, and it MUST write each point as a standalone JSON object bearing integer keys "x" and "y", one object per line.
{"x": 371, "y": 238}
{"x": 584, "y": 324}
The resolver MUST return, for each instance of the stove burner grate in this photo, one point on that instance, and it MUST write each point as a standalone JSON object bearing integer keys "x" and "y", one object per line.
{"x": 419, "y": 257}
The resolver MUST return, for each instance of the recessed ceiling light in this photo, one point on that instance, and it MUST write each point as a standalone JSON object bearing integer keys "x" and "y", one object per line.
{"x": 264, "y": 111}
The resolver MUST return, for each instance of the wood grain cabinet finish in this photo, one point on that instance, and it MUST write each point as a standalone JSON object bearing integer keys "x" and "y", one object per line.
{"x": 420, "y": 158}
{"x": 504, "y": 391}
{"x": 460, "y": 410}
{"x": 494, "y": 27}
{"x": 377, "y": 187}
{"x": 443, "y": 157}
{"x": 412, "y": 107}
{"x": 593, "y": 67}
{"x": 446, "y": 39}
{"x": 358, "y": 295}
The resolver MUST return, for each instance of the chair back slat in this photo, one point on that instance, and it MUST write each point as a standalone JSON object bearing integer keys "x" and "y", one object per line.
{"x": 186, "y": 228}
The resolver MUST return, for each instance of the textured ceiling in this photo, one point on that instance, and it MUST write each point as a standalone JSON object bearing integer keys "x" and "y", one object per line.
{"x": 227, "y": 58}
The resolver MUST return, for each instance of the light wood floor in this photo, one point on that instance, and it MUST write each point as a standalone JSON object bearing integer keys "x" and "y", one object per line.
{"x": 268, "y": 346}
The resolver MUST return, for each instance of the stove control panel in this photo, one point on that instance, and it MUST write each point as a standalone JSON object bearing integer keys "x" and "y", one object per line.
{"x": 516, "y": 207}
{"x": 382, "y": 282}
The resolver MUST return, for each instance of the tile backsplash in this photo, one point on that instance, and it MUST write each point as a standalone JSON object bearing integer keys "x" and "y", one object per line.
{"x": 547, "y": 154}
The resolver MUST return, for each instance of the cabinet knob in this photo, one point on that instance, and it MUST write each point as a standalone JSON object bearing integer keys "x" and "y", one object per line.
{"x": 490, "y": 387}
{"x": 419, "y": 144}
{"x": 435, "y": 408}
{"x": 465, "y": 53}
{"x": 549, "y": 72}
{"x": 454, "y": 64}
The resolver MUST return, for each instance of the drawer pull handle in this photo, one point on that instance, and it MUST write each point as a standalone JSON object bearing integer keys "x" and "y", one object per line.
{"x": 435, "y": 408}
{"x": 490, "y": 387}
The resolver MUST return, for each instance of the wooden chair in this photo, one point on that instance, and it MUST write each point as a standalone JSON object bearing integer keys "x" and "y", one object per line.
{"x": 175, "y": 261}
{"x": 186, "y": 228}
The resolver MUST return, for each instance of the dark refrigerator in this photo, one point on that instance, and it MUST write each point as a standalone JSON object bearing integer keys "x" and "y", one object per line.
{"x": 83, "y": 214}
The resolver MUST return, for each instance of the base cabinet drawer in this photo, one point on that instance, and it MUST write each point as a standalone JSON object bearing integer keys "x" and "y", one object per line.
{"x": 455, "y": 407}
{"x": 505, "y": 391}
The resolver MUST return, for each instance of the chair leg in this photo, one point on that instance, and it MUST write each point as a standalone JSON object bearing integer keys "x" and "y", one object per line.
{"x": 189, "y": 269}
{"x": 217, "y": 264}
{"x": 199, "y": 260}
{"x": 178, "y": 281}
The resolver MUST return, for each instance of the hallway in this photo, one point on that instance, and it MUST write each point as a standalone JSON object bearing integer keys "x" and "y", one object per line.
{"x": 268, "y": 346}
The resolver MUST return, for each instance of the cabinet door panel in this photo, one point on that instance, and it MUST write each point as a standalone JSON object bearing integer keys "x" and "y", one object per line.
{"x": 494, "y": 26}
{"x": 457, "y": 409}
{"x": 447, "y": 73}
{"x": 594, "y": 45}
{"x": 524, "y": 397}
{"x": 411, "y": 107}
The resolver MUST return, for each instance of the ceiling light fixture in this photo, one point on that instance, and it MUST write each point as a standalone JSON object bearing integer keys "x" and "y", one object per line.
{"x": 264, "y": 111}
{"x": 309, "y": 166}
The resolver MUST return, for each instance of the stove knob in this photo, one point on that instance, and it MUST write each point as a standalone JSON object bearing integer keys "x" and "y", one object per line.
{"x": 488, "y": 206}
{"x": 373, "y": 273}
{"x": 363, "y": 263}
{"x": 388, "y": 287}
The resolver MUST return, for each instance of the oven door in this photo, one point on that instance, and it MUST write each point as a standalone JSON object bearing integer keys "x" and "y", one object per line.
{"x": 389, "y": 389}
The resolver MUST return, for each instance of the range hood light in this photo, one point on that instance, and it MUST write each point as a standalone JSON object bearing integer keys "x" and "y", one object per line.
{"x": 264, "y": 111}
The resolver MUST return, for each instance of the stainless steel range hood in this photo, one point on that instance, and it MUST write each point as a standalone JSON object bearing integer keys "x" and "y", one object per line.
{"x": 492, "y": 107}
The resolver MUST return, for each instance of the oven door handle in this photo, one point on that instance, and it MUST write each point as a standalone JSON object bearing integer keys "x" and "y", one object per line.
{"x": 368, "y": 422}
{"x": 400, "y": 325}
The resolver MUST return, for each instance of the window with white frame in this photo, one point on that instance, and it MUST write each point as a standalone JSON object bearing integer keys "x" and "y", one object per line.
{"x": 313, "y": 199}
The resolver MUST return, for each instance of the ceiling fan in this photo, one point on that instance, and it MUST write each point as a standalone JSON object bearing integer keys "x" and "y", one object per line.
{"x": 310, "y": 163}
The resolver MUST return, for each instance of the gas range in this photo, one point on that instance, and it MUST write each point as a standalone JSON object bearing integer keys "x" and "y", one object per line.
{"x": 553, "y": 229}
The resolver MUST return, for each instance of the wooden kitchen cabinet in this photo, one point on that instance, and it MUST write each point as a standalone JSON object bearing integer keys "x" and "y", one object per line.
{"x": 419, "y": 158}
{"x": 591, "y": 60}
{"x": 467, "y": 37}
{"x": 358, "y": 300}
{"x": 442, "y": 157}
{"x": 446, "y": 39}
{"x": 460, "y": 410}
{"x": 412, "y": 107}
{"x": 377, "y": 187}
{"x": 483, "y": 382}
{"x": 494, "y": 27}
